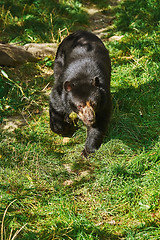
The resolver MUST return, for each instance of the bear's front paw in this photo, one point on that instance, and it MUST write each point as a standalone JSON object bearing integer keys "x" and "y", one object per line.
{"x": 84, "y": 153}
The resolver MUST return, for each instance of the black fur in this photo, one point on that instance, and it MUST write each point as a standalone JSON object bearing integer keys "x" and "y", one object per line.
{"x": 82, "y": 72}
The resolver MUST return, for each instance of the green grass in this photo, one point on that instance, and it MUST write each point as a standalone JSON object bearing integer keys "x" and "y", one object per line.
{"x": 115, "y": 193}
{"x": 39, "y": 21}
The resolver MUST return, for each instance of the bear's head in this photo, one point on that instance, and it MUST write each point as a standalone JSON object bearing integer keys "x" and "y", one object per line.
{"x": 84, "y": 99}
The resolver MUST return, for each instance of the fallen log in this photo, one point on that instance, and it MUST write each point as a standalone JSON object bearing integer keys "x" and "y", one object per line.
{"x": 11, "y": 55}
{"x": 41, "y": 50}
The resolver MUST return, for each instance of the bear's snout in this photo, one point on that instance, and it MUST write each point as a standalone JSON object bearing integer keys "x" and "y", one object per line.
{"x": 87, "y": 114}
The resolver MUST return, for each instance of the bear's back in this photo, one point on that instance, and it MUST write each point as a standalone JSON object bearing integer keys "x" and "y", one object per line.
{"x": 79, "y": 44}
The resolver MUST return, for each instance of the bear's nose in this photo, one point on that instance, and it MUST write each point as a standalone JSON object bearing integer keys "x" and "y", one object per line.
{"x": 91, "y": 118}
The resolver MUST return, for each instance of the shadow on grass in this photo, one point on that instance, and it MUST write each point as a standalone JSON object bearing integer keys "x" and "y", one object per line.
{"x": 148, "y": 230}
{"x": 141, "y": 15}
{"x": 74, "y": 232}
{"x": 135, "y": 118}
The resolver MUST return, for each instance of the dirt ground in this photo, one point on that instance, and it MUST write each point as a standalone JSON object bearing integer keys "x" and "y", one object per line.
{"x": 101, "y": 20}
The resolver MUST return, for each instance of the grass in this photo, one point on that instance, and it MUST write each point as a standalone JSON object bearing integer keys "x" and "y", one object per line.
{"x": 114, "y": 194}
{"x": 39, "y": 21}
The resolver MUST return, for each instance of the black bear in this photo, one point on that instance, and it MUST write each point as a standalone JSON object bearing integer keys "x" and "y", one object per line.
{"x": 82, "y": 72}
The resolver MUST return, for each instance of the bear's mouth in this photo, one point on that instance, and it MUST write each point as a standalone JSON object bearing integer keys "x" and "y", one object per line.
{"x": 87, "y": 114}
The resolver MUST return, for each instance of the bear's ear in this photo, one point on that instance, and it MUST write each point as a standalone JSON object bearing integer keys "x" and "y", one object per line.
{"x": 68, "y": 86}
{"x": 95, "y": 81}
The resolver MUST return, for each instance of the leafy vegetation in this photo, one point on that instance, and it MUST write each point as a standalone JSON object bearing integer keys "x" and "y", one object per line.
{"x": 114, "y": 194}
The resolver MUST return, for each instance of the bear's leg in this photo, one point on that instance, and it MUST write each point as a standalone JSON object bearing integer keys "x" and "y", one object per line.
{"x": 59, "y": 125}
{"x": 93, "y": 141}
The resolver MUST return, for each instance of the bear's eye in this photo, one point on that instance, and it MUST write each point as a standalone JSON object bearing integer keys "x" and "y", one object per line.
{"x": 95, "y": 82}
